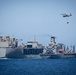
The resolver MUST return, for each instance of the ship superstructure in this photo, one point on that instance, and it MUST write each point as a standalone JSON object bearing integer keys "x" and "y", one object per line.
{"x": 8, "y": 42}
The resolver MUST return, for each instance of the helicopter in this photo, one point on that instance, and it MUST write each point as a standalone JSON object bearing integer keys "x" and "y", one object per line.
{"x": 66, "y": 14}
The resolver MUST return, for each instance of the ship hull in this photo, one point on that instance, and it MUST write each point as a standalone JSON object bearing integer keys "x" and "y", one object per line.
{"x": 45, "y": 56}
{"x": 57, "y": 56}
{"x": 14, "y": 53}
{"x": 2, "y": 52}
{"x": 32, "y": 51}
{"x": 37, "y": 56}
{"x": 11, "y": 53}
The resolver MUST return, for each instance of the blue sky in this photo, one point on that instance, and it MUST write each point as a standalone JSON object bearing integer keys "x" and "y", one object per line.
{"x": 41, "y": 18}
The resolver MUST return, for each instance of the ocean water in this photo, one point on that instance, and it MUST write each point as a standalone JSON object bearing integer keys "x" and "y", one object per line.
{"x": 38, "y": 66}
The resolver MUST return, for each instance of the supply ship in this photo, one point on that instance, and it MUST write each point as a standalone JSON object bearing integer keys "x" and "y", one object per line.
{"x": 9, "y": 48}
{"x": 32, "y": 49}
{"x": 58, "y": 50}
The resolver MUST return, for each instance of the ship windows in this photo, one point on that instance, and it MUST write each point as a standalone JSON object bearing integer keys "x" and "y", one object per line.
{"x": 29, "y": 46}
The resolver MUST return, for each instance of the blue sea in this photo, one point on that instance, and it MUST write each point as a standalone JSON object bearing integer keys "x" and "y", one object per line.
{"x": 38, "y": 66}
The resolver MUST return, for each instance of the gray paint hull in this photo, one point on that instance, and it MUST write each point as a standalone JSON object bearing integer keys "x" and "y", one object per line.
{"x": 11, "y": 53}
{"x": 56, "y": 56}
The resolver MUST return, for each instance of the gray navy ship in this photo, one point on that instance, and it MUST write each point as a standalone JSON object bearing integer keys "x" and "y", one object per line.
{"x": 9, "y": 48}
{"x": 32, "y": 49}
{"x": 57, "y": 50}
